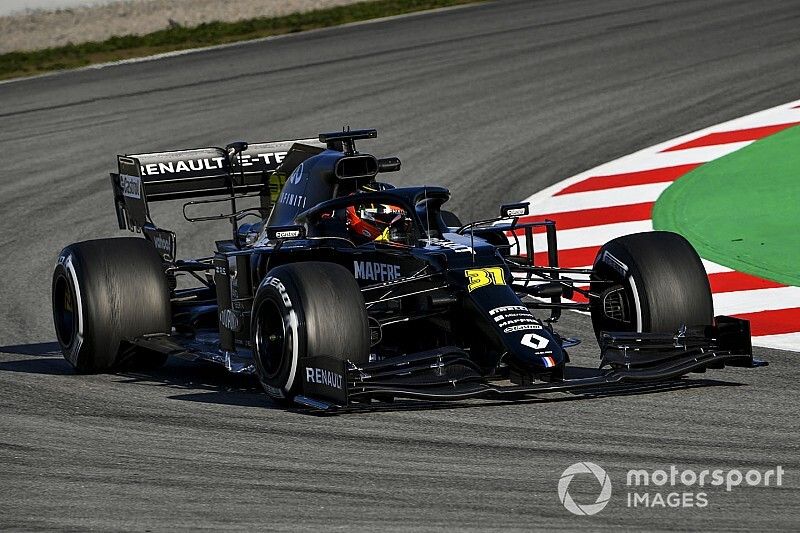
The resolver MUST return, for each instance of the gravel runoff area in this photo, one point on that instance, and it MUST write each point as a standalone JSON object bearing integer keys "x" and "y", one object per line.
{"x": 37, "y": 29}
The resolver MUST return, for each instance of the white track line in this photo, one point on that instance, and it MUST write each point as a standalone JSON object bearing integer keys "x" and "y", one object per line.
{"x": 783, "y": 114}
{"x": 710, "y": 266}
{"x": 658, "y": 160}
{"x": 590, "y": 236}
{"x": 734, "y": 303}
{"x": 715, "y": 268}
{"x": 653, "y": 158}
{"x": 640, "y": 160}
{"x": 784, "y": 341}
{"x": 597, "y": 199}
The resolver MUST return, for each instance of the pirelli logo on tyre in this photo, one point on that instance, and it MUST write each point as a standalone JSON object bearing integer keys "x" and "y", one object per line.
{"x": 275, "y": 282}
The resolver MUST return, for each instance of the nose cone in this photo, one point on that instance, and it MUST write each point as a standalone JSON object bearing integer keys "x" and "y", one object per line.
{"x": 529, "y": 346}
{"x": 538, "y": 351}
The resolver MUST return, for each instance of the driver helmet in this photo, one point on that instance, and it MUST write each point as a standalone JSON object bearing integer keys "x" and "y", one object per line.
{"x": 377, "y": 222}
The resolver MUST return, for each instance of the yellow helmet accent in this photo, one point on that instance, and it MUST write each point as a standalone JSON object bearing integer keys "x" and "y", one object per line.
{"x": 383, "y": 237}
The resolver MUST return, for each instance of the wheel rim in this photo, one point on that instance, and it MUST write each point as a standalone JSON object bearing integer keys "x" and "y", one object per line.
{"x": 615, "y": 309}
{"x": 270, "y": 338}
{"x": 617, "y": 305}
{"x": 64, "y": 306}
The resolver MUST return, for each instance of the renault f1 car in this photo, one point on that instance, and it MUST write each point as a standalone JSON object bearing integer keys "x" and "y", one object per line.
{"x": 346, "y": 291}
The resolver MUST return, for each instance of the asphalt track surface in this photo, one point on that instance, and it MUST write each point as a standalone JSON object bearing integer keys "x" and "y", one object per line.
{"x": 495, "y": 101}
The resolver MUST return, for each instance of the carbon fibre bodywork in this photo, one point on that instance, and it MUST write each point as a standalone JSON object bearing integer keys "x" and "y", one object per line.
{"x": 450, "y": 310}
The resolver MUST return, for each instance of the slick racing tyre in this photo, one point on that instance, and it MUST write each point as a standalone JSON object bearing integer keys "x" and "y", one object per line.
{"x": 303, "y": 310}
{"x": 104, "y": 292}
{"x": 657, "y": 284}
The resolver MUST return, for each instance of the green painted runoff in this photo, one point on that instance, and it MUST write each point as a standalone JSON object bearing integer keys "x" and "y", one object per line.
{"x": 742, "y": 210}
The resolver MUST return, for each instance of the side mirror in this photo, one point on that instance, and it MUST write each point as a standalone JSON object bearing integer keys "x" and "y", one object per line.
{"x": 280, "y": 233}
{"x": 514, "y": 210}
{"x": 388, "y": 164}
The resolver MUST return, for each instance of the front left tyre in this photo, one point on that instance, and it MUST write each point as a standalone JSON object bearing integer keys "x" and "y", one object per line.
{"x": 104, "y": 292}
{"x": 304, "y": 310}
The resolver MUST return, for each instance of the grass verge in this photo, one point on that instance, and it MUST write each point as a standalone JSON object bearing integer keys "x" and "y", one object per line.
{"x": 18, "y": 64}
{"x": 741, "y": 210}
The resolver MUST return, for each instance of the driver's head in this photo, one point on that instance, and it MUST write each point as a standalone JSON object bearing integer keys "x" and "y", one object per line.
{"x": 375, "y": 222}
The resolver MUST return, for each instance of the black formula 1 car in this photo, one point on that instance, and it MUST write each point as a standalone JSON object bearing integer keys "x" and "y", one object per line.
{"x": 348, "y": 291}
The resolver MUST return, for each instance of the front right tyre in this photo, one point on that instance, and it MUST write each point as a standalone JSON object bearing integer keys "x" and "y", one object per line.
{"x": 652, "y": 282}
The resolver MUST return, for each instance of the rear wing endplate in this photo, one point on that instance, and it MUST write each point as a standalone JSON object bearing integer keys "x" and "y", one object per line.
{"x": 182, "y": 174}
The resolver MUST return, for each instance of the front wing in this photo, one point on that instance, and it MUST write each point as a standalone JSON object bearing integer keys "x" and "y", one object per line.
{"x": 447, "y": 374}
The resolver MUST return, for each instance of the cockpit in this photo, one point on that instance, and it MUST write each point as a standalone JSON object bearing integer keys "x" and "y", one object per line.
{"x": 334, "y": 193}
{"x": 364, "y": 220}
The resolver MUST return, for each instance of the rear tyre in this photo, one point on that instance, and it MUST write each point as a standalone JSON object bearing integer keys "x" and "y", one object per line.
{"x": 105, "y": 291}
{"x": 303, "y": 310}
{"x": 658, "y": 284}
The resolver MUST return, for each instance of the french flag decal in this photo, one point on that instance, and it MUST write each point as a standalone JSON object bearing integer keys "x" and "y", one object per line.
{"x": 549, "y": 361}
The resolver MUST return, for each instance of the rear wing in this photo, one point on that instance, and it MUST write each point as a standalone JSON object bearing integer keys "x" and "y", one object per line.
{"x": 195, "y": 173}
